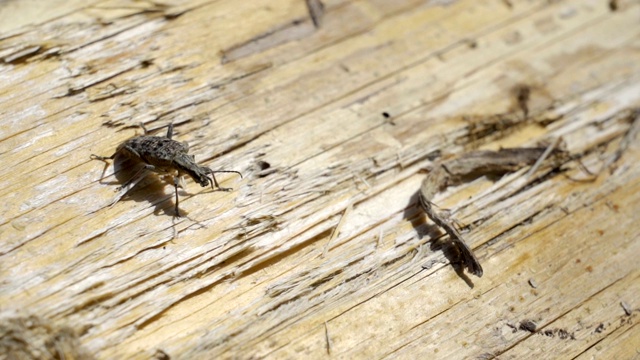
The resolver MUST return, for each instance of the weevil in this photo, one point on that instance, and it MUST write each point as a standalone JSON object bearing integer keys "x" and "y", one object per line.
{"x": 164, "y": 156}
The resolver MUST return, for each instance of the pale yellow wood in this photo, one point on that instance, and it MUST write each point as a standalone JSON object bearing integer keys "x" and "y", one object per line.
{"x": 325, "y": 254}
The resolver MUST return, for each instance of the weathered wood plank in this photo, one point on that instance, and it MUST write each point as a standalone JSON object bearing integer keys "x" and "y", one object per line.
{"x": 327, "y": 253}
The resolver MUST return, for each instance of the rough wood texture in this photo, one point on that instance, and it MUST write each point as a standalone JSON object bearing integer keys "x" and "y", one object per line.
{"x": 321, "y": 250}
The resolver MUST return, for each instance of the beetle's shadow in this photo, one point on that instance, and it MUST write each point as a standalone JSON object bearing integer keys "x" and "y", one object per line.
{"x": 152, "y": 188}
{"x": 418, "y": 220}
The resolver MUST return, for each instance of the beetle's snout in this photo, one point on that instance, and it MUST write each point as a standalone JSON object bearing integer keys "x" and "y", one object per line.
{"x": 203, "y": 180}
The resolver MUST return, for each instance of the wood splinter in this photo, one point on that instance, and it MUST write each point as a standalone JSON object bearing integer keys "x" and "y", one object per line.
{"x": 468, "y": 258}
{"x": 471, "y": 166}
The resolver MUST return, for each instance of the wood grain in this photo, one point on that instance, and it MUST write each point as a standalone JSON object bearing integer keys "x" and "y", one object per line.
{"x": 321, "y": 250}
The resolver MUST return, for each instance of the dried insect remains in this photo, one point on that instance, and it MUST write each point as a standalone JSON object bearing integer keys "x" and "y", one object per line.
{"x": 163, "y": 156}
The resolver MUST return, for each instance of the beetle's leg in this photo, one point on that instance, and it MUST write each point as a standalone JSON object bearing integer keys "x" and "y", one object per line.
{"x": 131, "y": 153}
{"x": 144, "y": 128}
{"x": 170, "y": 131}
{"x": 181, "y": 183}
{"x": 102, "y": 158}
{"x": 176, "y": 182}
{"x": 213, "y": 176}
{"x": 139, "y": 175}
{"x": 106, "y": 164}
{"x": 135, "y": 179}
{"x": 214, "y": 181}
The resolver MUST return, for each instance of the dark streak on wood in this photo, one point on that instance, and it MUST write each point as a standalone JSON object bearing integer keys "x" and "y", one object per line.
{"x": 316, "y": 11}
{"x": 523, "y": 93}
{"x": 295, "y": 30}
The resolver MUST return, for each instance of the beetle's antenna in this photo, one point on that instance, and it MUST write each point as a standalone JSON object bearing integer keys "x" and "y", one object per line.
{"x": 225, "y": 171}
{"x": 220, "y": 171}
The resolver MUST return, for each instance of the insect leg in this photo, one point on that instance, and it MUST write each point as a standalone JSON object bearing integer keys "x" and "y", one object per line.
{"x": 102, "y": 158}
{"x": 106, "y": 164}
{"x": 170, "y": 131}
{"x": 216, "y": 182}
{"x": 176, "y": 182}
{"x": 135, "y": 179}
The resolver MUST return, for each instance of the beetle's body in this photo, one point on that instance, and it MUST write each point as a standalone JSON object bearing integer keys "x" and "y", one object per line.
{"x": 165, "y": 156}
{"x": 158, "y": 151}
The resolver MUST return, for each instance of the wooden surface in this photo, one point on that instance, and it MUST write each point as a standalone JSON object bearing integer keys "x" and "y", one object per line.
{"x": 325, "y": 253}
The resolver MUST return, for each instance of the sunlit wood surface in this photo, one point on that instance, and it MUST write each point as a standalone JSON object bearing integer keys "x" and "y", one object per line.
{"x": 320, "y": 251}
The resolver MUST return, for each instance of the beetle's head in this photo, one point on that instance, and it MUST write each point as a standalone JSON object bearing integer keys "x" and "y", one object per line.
{"x": 187, "y": 164}
{"x": 200, "y": 174}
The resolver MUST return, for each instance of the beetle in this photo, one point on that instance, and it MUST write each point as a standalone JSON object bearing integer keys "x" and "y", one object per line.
{"x": 164, "y": 156}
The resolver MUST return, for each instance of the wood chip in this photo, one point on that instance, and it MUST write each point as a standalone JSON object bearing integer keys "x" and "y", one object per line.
{"x": 467, "y": 168}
